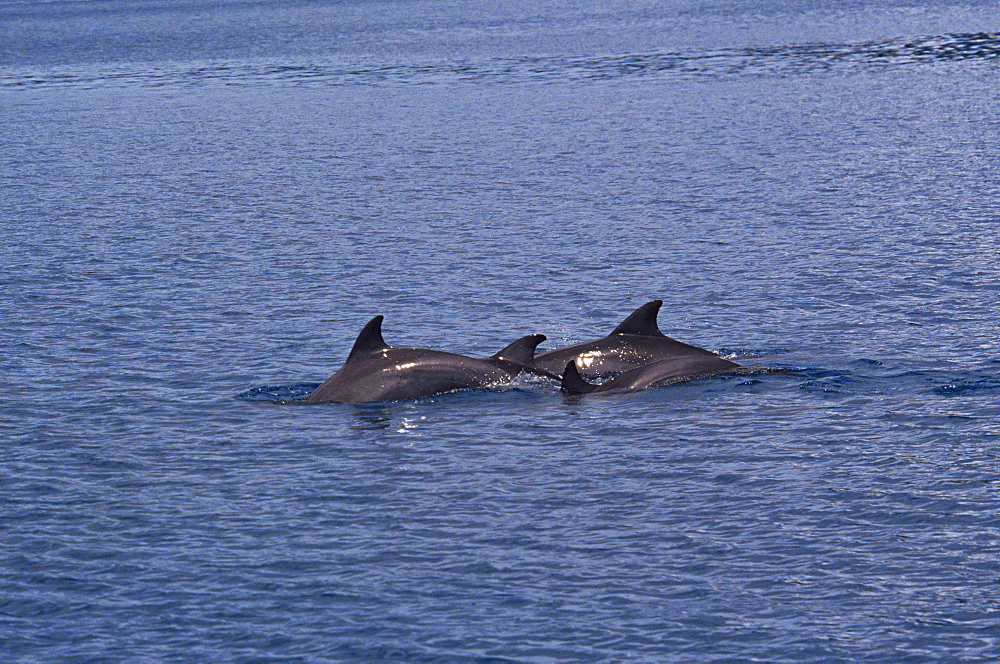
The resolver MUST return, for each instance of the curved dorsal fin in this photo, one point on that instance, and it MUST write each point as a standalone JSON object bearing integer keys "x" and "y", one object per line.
{"x": 369, "y": 340}
{"x": 521, "y": 351}
{"x": 573, "y": 382}
{"x": 642, "y": 321}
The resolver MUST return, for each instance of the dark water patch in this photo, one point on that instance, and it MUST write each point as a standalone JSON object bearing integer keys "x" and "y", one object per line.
{"x": 793, "y": 60}
{"x": 278, "y": 393}
{"x": 946, "y": 383}
{"x": 891, "y": 381}
{"x": 970, "y": 384}
{"x": 831, "y": 382}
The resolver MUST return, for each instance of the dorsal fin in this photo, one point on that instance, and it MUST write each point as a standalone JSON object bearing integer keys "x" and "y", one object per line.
{"x": 642, "y": 321}
{"x": 369, "y": 340}
{"x": 521, "y": 351}
{"x": 520, "y": 356}
{"x": 573, "y": 382}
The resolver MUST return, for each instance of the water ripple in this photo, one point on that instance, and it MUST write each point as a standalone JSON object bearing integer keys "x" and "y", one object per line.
{"x": 755, "y": 61}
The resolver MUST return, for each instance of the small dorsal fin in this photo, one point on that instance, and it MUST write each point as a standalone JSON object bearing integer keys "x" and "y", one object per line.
{"x": 573, "y": 382}
{"x": 369, "y": 340}
{"x": 642, "y": 321}
{"x": 521, "y": 351}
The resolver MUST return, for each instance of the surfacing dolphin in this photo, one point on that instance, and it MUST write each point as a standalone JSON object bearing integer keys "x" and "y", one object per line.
{"x": 636, "y": 342}
{"x": 661, "y": 374}
{"x": 375, "y": 371}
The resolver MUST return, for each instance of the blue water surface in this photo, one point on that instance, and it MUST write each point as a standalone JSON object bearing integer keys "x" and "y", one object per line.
{"x": 203, "y": 202}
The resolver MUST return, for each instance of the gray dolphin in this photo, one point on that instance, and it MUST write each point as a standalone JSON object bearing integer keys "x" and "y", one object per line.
{"x": 660, "y": 374}
{"x": 375, "y": 371}
{"x": 636, "y": 342}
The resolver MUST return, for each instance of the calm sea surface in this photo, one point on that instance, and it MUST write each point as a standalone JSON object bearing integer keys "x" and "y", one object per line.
{"x": 202, "y": 203}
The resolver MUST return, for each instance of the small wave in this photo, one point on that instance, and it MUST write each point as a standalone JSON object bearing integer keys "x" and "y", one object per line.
{"x": 756, "y": 61}
{"x": 946, "y": 382}
{"x": 969, "y": 385}
{"x": 943, "y": 383}
{"x": 271, "y": 393}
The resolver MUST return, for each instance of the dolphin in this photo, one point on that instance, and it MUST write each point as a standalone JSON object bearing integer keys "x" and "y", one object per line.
{"x": 660, "y": 374}
{"x": 375, "y": 371}
{"x": 635, "y": 342}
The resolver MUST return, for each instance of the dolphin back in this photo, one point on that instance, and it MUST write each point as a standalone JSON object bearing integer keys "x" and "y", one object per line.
{"x": 375, "y": 371}
{"x": 407, "y": 373}
{"x": 637, "y": 341}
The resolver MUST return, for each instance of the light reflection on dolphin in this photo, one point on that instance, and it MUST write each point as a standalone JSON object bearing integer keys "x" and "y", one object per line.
{"x": 375, "y": 371}
{"x": 637, "y": 341}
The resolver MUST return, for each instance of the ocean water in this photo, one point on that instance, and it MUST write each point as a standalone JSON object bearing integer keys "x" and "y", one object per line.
{"x": 202, "y": 202}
